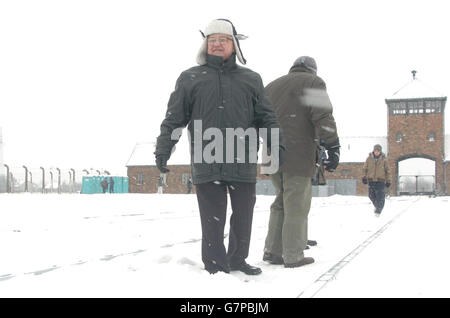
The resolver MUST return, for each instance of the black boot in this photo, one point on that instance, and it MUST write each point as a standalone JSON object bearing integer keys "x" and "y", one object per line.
{"x": 246, "y": 269}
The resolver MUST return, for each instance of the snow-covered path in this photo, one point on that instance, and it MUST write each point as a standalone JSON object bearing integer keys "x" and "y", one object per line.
{"x": 409, "y": 259}
{"x": 135, "y": 245}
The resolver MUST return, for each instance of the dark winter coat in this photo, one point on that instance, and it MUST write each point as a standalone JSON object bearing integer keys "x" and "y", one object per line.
{"x": 104, "y": 184}
{"x": 305, "y": 113}
{"x": 222, "y": 95}
{"x": 377, "y": 169}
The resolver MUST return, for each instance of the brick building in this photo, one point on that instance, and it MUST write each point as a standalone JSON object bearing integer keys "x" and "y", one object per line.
{"x": 144, "y": 176}
{"x": 416, "y": 145}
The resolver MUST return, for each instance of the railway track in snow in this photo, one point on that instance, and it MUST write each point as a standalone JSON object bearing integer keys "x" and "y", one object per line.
{"x": 312, "y": 290}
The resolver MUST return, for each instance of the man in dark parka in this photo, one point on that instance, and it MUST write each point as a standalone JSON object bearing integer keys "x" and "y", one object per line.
{"x": 305, "y": 114}
{"x": 216, "y": 96}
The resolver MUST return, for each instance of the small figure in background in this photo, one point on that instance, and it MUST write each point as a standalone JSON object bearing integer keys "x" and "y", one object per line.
{"x": 160, "y": 184}
{"x": 111, "y": 185}
{"x": 189, "y": 186}
{"x": 377, "y": 174}
{"x": 104, "y": 185}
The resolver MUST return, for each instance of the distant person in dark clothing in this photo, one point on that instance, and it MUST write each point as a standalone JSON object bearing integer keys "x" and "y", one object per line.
{"x": 189, "y": 186}
{"x": 111, "y": 185}
{"x": 160, "y": 185}
{"x": 104, "y": 185}
{"x": 376, "y": 172}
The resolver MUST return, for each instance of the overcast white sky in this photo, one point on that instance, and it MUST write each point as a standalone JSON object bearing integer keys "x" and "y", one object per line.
{"x": 82, "y": 81}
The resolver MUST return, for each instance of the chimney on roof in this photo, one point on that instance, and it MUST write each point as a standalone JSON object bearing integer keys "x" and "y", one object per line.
{"x": 414, "y": 74}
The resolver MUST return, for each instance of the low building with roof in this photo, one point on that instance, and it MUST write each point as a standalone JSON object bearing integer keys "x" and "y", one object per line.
{"x": 144, "y": 176}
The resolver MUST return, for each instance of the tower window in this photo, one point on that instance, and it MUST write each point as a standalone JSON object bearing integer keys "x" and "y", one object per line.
{"x": 433, "y": 106}
{"x": 398, "y": 108}
{"x": 415, "y": 107}
{"x": 399, "y": 137}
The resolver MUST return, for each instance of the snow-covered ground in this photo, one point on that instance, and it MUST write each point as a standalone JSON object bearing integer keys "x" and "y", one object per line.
{"x": 136, "y": 245}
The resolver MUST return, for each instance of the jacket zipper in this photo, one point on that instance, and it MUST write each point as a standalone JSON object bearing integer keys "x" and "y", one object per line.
{"x": 220, "y": 101}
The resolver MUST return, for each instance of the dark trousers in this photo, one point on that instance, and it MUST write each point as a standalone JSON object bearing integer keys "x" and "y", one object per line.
{"x": 377, "y": 195}
{"x": 212, "y": 202}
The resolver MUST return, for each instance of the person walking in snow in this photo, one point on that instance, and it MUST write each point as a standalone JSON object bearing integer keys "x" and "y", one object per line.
{"x": 221, "y": 95}
{"x": 306, "y": 117}
{"x": 104, "y": 185}
{"x": 111, "y": 185}
{"x": 189, "y": 185}
{"x": 377, "y": 174}
{"x": 160, "y": 185}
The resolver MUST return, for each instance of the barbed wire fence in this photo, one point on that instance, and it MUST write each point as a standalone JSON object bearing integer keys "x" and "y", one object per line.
{"x": 24, "y": 179}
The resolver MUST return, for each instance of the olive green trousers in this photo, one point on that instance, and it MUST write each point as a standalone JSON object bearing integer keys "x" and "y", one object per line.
{"x": 288, "y": 224}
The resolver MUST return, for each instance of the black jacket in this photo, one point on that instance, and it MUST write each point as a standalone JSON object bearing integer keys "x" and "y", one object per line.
{"x": 221, "y": 95}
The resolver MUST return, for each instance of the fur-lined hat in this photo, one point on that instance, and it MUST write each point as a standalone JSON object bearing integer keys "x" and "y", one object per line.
{"x": 223, "y": 26}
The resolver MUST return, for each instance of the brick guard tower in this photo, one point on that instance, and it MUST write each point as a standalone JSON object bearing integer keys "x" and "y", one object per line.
{"x": 416, "y": 130}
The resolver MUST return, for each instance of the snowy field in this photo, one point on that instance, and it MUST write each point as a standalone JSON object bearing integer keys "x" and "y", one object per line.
{"x": 135, "y": 245}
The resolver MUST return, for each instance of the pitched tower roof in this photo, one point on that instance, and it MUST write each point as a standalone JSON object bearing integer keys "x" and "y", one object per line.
{"x": 416, "y": 89}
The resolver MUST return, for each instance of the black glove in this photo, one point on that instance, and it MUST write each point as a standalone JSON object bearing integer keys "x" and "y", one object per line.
{"x": 364, "y": 180}
{"x": 333, "y": 158}
{"x": 388, "y": 184}
{"x": 161, "y": 163}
